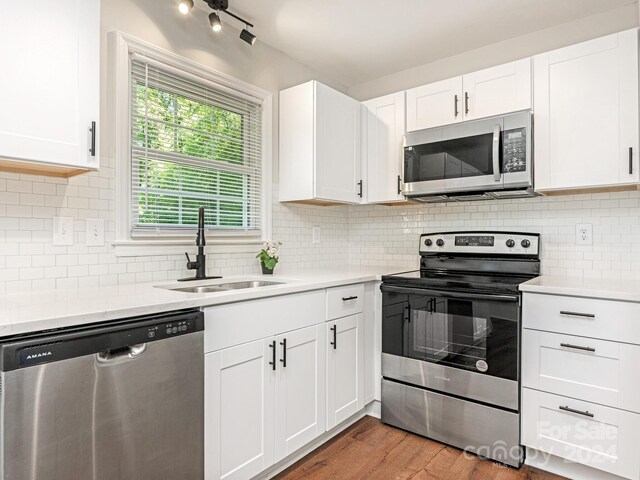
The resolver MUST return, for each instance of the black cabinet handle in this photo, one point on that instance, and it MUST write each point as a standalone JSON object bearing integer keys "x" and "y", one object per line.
{"x": 334, "y": 329}
{"x": 630, "y": 160}
{"x": 399, "y": 184}
{"x": 283, "y": 360}
{"x": 360, "y": 188}
{"x": 272, "y": 346}
{"x": 466, "y": 102}
{"x": 577, "y": 314}
{"x": 579, "y": 412}
{"x": 407, "y": 314}
{"x": 346, "y": 299}
{"x": 92, "y": 148}
{"x": 578, "y": 347}
{"x": 455, "y": 106}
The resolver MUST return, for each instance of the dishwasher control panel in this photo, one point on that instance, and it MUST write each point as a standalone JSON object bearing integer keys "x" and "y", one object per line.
{"x": 108, "y": 342}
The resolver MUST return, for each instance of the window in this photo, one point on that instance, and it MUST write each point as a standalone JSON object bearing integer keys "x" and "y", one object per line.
{"x": 192, "y": 145}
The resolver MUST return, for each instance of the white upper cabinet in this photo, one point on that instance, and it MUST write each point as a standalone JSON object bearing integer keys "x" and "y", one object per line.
{"x": 383, "y": 131}
{"x": 49, "y": 86}
{"x": 586, "y": 114}
{"x": 435, "y": 104}
{"x": 320, "y": 143}
{"x": 492, "y": 91}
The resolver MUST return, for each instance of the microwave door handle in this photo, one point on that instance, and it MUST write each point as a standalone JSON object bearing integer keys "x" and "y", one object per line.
{"x": 496, "y": 153}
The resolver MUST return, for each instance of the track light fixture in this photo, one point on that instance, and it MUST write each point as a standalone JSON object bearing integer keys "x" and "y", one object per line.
{"x": 218, "y": 6}
{"x": 185, "y": 6}
{"x": 247, "y": 36}
{"x": 214, "y": 20}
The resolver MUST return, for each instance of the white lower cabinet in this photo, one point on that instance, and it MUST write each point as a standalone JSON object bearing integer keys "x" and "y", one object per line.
{"x": 345, "y": 368}
{"x": 580, "y": 395}
{"x": 600, "y": 437}
{"x": 264, "y": 400}
{"x": 300, "y": 389}
{"x": 239, "y": 411}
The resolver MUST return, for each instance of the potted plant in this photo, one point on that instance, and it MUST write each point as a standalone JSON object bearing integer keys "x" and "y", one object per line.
{"x": 269, "y": 256}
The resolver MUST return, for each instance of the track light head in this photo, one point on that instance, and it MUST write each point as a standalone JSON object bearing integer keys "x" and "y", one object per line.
{"x": 247, "y": 36}
{"x": 185, "y": 6}
{"x": 214, "y": 20}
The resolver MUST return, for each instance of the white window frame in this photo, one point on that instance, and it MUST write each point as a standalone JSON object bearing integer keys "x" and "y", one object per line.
{"x": 120, "y": 49}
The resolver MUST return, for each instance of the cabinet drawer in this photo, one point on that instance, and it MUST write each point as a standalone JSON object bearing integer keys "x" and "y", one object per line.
{"x": 597, "y": 371}
{"x": 600, "y": 437}
{"x": 344, "y": 301}
{"x": 236, "y": 323}
{"x": 604, "y": 319}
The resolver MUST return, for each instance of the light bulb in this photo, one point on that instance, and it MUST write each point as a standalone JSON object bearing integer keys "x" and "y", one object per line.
{"x": 214, "y": 20}
{"x": 185, "y": 6}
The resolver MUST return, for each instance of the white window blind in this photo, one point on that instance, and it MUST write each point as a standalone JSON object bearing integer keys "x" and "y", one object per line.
{"x": 192, "y": 144}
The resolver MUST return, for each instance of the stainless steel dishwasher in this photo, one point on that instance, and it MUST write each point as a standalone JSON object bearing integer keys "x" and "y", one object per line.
{"x": 120, "y": 401}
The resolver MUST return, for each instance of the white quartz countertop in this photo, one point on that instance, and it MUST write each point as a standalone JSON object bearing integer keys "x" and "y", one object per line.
{"x": 44, "y": 310}
{"x": 627, "y": 291}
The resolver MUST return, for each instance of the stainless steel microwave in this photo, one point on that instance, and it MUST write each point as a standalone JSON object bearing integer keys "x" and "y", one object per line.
{"x": 479, "y": 159}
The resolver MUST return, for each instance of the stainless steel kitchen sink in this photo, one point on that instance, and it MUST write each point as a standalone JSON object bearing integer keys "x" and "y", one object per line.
{"x": 224, "y": 287}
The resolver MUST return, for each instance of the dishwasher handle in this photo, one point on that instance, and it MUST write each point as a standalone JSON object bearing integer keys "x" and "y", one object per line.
{"x": 111, "y": 355}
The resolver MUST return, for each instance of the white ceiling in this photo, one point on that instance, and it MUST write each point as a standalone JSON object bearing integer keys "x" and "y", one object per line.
{"x": 355, "y": 41}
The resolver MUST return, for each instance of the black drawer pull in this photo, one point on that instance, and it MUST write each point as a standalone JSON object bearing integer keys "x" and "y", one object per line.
{"x": 578, "y": 347}
{"x": 272, "y": 346}
{"x": 577, "y": 314}
{"x": 455, "y": 106}
{"x": 579, "y": 412}
{"x": 399, "y": 184}
{"x": 334, "y": 329}
{"x": 284, "y": 352}
{"x": 630, "y": 160}
{"x": 346, "y": 299}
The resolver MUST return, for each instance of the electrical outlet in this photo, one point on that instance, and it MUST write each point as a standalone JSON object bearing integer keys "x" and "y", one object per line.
{"x": 584, "y": 234}
{"x": 315, "y": 234}
{"x": 62, "y": 231}
{"x": 94, "y": 232}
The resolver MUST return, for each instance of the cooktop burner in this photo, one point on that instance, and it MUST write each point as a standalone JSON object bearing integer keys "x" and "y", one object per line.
{"x": 457, "y": 281}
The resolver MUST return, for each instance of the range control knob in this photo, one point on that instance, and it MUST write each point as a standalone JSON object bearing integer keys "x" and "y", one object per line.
{"x": 525, "y": 243}
{"x": 428, "y": 242}
{"x": 511, "y": 243}
{"x": 440, "y": 242}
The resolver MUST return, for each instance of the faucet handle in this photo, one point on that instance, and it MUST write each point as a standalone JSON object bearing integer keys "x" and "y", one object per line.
{"x": 190, "y": 265}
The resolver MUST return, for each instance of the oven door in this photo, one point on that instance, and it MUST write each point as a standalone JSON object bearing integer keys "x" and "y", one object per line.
{"x": 464, "y": 344}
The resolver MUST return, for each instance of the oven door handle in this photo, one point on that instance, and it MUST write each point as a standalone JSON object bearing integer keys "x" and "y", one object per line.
{"x": 438, "y": 293}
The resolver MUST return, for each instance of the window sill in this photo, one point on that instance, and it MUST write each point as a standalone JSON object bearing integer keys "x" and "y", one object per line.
{"x": 148, "y": 248}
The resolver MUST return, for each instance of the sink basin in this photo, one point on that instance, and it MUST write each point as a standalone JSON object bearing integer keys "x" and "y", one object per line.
{"x": 225, "y": 287}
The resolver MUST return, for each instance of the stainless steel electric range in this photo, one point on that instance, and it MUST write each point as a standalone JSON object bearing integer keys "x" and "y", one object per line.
{"x": 451, "y": 341}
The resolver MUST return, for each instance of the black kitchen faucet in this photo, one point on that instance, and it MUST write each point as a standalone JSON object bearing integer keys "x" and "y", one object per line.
{"x": 200, "y": 265}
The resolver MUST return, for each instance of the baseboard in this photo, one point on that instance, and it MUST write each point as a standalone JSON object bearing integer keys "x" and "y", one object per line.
{"x": 372, "y": 409}
{"x": 566, "y": 468}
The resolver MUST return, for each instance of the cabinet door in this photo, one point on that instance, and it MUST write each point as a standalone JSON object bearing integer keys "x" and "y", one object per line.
{"x": 239, "y": 393}
{"x": 345, "y": 368}
{"x": 586, "y": 109}
{"x": 435, "y": 104}
{"x": 497, "y": 90}
{"x": 300, "y": 389}
{"x": 49, "y": 95}
{"x": 385, "y": 128}
{"x": 337, "y": 142}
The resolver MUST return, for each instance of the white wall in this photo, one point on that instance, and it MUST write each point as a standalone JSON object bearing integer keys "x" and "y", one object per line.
{"x": 513, "y": 49}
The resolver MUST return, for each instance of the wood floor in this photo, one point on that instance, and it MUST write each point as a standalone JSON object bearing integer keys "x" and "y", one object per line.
{"x": 373, "y": 451}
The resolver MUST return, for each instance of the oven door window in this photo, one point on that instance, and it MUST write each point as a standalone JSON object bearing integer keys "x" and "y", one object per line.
{"x": 476, "y": 335}
{"x": 450, "y": 159}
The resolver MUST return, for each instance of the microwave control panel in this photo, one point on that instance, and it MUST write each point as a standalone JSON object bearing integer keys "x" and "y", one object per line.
{"x": 514, "y": 150}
